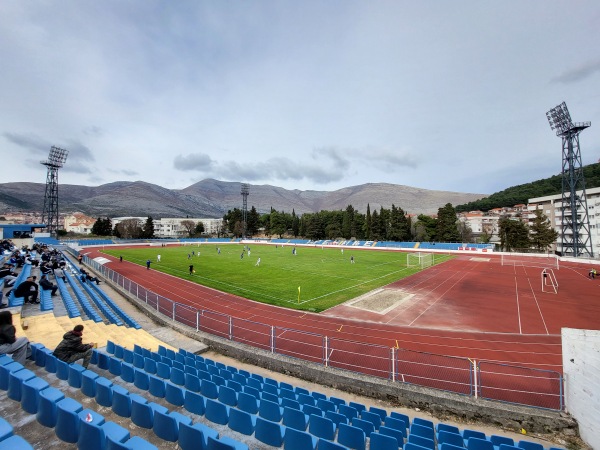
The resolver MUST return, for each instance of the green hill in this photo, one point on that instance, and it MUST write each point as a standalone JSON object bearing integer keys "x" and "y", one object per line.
{"x": 523, "y": 192}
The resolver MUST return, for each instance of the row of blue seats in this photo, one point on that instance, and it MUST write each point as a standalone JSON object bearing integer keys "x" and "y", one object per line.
{"x": 70, "y": 305}
{"x": 12, "y": 299}
{"x": 83, "y": 300}
{"x": 9, "y": 440}
{"x": 88, "y": 428}
{"x": 243, "y": 413}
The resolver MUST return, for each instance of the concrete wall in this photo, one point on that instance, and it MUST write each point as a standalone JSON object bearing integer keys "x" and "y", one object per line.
{"x": 581, "y": 366}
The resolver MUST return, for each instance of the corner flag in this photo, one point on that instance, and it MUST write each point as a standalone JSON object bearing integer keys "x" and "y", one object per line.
{"x": 298, "y": 294}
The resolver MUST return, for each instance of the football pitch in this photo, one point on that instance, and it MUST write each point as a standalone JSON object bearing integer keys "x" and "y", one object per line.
{"x": 311, "y": 278}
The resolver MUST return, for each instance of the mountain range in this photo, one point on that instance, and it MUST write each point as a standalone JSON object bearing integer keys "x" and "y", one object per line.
{"x": 212, "y": 198}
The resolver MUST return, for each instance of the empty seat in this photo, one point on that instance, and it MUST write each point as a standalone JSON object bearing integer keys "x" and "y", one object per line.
{"x": 446, "y": 427}
{"x": 121, "y": 403}
{"x": 46, "y": 414}
{"x": 209, "y": 389}
{"x": 398, "y": 434}
{"x": 241, "y": 421}
{"x": 499, "y": 440}
{"x": 337, "y": 418}
{"x": 382, "y": 442}
{"x": 348, "y": 411}
{"x": 528, "y": 445}
{"x": 447, "y": 437}
{"x": 216, "y": 412}
{"x": 127, "y": 372}
{"x": 294, "y": 418}
{"x": 15, "y": 381}
{"x": 305, "y": 399}
{"x": 195, "y": 436}
{"x": 309, "y": 410}
{"x": 268, "y": 432}
{"x": 114, "y": 365}
{"x": 321, "y": 427}
{"x": 88, "y": 382}
{"x": 324, "y": 444}
{"x": 423, "y": 422}
{"x": 423, "y": 431}
{"x": 166, "y": 424}
{"x": 466, "y": 434}
{"x": 270, "y": 411}
{"x": 351, "y": 437}
{"x": 372, "y": 417}
{"x": 30, "y": 393}
{"x": 364, "y": 425}
{"x": 358, "y": 406}
{"x": 397, "y": 424}
{"x": 474, "y": 443}
{"x": 93, "y": 436}
{"x": 174, "y": 394}
{"x": 225, "y": 443}
{"x": 103, "y": 391}
{"x": 192, "y": 382}
{"x": 420, "y": 440}
{"x": 194, "y": 403}
{"x": 299, "y": 440}
{"x": 15, "y": 442}
{"x": 141, "y": 379}
{"x": 156, "y": 386}
{"x": 163, "y": 370}
{"x": 382, "y": 412}
{"x": 67, "y": 420}
{"x": 326, "y": 405}
{"x": 247, "y": 402}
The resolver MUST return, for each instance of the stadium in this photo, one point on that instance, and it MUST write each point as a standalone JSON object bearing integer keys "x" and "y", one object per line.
{"x": 411, "y": 330}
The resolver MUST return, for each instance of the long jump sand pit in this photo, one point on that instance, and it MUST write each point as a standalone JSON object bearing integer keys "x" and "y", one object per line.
{"x": 381, "y": 301}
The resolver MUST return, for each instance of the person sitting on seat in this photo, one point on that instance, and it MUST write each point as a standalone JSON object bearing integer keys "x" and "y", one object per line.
{"x": 47, "y": 285}
{"x": 88, "y": 277}
{"x": 28, "y": 289}
{"x": 71, "y": 348}
{"x": 10, "y": 344}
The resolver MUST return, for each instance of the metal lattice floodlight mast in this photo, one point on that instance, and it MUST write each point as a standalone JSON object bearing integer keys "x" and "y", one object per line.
{"x": 56, "y": 159}
{"x": 245, "y": 192}
{"x": 576, "y": 239}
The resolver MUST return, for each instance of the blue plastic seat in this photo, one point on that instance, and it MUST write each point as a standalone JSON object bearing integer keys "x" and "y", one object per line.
{"x": 195, "y": 436}
{"x": 300, "y": 390}
{"x": 268, "y": 432}
{"x": 337, "y": 401}
{"x": 270, "y": 411}
{"x": 15, "y": 381}
{"x": 372, "y": 417}
{"x": 446, "y": 446}
{"x": 225, "y": 443}
{"x": 252, "y": 391}
{"x": 241, "y": 421}
{"x": 141, "y": 379}
{"x": 15, "y": 442}
{"x": 6, "y": 429}
{"x": 46, "y": 414}
{"x": 423, "y": 422}
{"x": 321, "y": 427}
{"x": 423, "y": 431}
{"x": 474, "y": 443}
{"x": 88, "y": 382}
{"x": 326, "y": 405}
{"x": 163, "y": 370}
{"x": 75, "y": 371}
{"x": 119, "y": 351}
{"x": 310, "y": 410}
{"x": 467, "y": 433}
{"x": 420, "y": 440}
{"x": 138, "y": 360}
{"x": 294, "y": 418}
{"x": 337, "y": 418}
{"x": 194, "y": 403}
{"x": 499, "y": 440}
{"x": 30, "y": 393}
{"x": 110, "y": 347}
{"x": 209, "y": 389}
{"x": 156, "y": 386}
{"x": 67, "y": 420}
{"x": 103, "y": 359}
{"x": 448, "y": 437}
{"x": 121, "y": 403}
{"x": 270, "y": 397}
{"x": 396, "y": 424}
{"x": 227, "y": 396}
{"x": 288, "y": 402}
{"x": 364, "y": 425}
{"x": 192, "y": 382}
{"x": 382, "y": 442}
{"x": 142, "y": 412}
{"x": 62, "y": 370}
{"x": 325, "y": 444}
{"x": 286, "y": 393}
{"x": 352, "y": 437}
{"x": 150, "y": 365}
{"x": 216, "y": 412}
{"x": 271, "y": 389}
{"x": 127, "y": 372}
{"x": 174, "y": 394}
{"x": 299, "y": 440}
{"x": 114, "y": 365}
{"x": 358, "y": 406}
{"x": 400, "y": 435}
{"x": 401, "y": 416}
{"x": 50, "y": 365}
{"x": 248, "y": 403}
{"x": 318, "y": 395}
{"x": 104, "y": 391}
{"x": 528, "y": 445}
{"x": 253, "y": 382}
{"x": 380, "y": 411}
{"x": 94, "y": 436}
{"x": 177, "y": 376}
{"x": 127, "y": 356}
{"x": 348, "y": 411}
{"x": 166, "y": 424}
{"x": 441, "y": 426}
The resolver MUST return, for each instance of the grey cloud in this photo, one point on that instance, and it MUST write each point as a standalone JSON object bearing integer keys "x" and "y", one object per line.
{"x": 29, "y": 141}
{"x": 333, "y": 153}
{"x": 93, "y": 130}
{"x": 78, "y": 151}
{"x": 578, "y": 74}
{"x": 194, "y": 161}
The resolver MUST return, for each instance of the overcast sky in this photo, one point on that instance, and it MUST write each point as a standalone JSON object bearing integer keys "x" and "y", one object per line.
{"x": 320, "y": 95}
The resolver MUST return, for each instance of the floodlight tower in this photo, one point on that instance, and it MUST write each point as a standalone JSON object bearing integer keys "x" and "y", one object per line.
{"x": 56, "y": 159}
{"x": 575, "y": 227}
{"x": 245, "y": 192}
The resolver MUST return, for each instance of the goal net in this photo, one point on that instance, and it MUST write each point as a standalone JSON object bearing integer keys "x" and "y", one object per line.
{"x": 419, "y": 259}
{"x": 531, "y": 260}
{"x": 549, "y": 281}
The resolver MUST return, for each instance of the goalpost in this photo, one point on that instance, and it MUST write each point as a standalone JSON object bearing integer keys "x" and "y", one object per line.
{"x": 419, "y": 259}
{"x": 549, "y": 281}
{"x": 530, "y": 260}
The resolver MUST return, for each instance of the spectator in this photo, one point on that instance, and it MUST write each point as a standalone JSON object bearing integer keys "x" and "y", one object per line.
{"x": 28, "y": 289}
{"x": 19, "y": 348}
{"x": 85, "y": 276}
{"x": 47, "y": 285}
{"x": 72, "y": 349}
{"x": 60, "y": 273}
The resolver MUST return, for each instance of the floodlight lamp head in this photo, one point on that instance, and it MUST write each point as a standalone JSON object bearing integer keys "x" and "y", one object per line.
{"x": 559, "y": 118}
{"x": 57, "y": 157}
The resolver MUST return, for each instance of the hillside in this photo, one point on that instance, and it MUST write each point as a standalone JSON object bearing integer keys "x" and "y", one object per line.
{"x": 213, "y": 198}
{"x": 522, "y": 193}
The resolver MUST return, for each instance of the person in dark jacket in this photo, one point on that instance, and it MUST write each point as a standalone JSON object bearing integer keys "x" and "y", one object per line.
{"x": 9, "y": 343}
{"x": 71, "y": 348}
{"x": 28, "y": 289}
{"x": 47, "y": 285}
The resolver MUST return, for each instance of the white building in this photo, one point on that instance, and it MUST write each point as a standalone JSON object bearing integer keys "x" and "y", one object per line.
{"x": 79, "y": 223}
{"x": 551, "y": 207}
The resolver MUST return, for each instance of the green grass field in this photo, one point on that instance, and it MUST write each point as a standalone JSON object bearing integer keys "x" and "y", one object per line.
{"x": 325, "y": 276}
